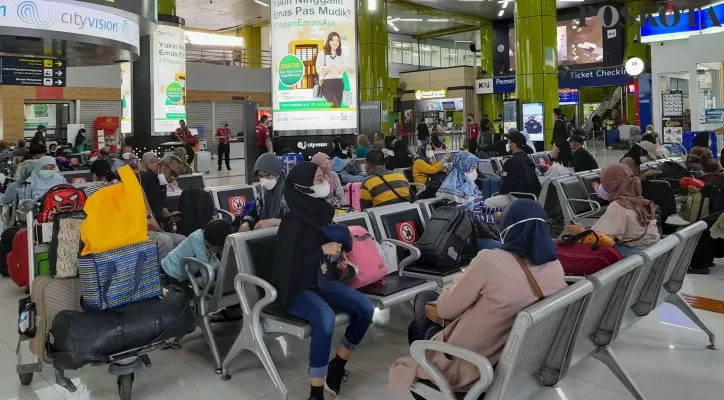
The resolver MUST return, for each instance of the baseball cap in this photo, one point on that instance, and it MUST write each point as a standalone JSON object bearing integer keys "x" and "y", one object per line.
{"x": 516, "y": 137}
{"x": 578, "y": 139}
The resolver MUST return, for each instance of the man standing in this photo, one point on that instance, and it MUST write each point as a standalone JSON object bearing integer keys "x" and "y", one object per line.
{"x": 263, "y": 138}
{"x": 560, "y": 132}
{"x": 423, "y": 132}
{"x": 473, "y": 131}
{"x": 223, "y": 136}
{"x": 183, "y": 134}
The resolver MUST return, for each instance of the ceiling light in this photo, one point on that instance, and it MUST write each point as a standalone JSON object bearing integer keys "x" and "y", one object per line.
{"x": 438, "y": 20}
{"x": 395, "y": 28}
{"x": 261, "y": 2}
{"x": 394, "y": 19}
{"x": 371, "y": 5}
{"x": 500, "y": 14}
{"x": 411, "y": 19}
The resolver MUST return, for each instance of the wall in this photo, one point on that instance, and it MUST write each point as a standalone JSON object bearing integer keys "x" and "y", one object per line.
{"x": 462, "y": 78}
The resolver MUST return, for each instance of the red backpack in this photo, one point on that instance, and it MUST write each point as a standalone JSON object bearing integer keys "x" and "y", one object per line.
{"x": 60, "y": 199}
{"x": 19, "y": 259}
{"x": 582, "y": 259}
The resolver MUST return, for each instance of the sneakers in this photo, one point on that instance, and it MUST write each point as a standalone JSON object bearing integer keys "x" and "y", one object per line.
{"x": 335, "y": 376}
{"x": 676, "y": 220}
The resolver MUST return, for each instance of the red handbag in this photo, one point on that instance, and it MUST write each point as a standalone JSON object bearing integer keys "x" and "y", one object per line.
{"x": 581, "y": 259}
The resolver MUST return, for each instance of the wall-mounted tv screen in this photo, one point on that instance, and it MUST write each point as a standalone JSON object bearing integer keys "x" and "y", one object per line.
{"x": 533, "y": 121}
{"x": 567, "y": 97}
{"x": 510, "y": 115}
{"x": 578, "y": 44}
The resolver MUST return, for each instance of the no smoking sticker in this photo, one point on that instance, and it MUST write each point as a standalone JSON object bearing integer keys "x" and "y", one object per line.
{"x": 79, "y": 180}
{"x": 236, "y": 204}
{"x": 406, "y": 232}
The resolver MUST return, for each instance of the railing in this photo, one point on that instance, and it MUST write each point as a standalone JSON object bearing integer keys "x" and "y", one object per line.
{"x": 609, "y": 102}
{"x": 240, "y": 57}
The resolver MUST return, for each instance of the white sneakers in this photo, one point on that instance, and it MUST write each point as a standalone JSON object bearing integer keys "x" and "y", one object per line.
{"x": 676, "y": 220}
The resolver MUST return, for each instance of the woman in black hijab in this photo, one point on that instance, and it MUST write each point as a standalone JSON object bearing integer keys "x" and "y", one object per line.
{"x": 401, "y": 158}
{"x": 304, "y": 289}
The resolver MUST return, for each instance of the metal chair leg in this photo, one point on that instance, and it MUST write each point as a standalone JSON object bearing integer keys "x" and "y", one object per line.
{"x": 204, "y": 323}
{"x": 606, "y": 355}
{"x": 681, "y": 304}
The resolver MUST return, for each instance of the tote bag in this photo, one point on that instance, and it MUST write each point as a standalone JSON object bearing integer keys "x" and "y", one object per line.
{"x": 116, "y": 216}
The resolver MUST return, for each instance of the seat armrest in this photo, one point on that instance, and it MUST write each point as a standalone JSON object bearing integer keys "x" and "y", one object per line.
{"x": 418, "y": 351}
{"x": 253, "y": 311}
{"x": 224, "y": 213}
{"x": 573, "y": 279}
{"x": 521, "y": 194}
{"x": 594, "y": 204}
{"x": 419, "y": 187}
{"x": 200, "y": 293}
{"x": 414, "y": 253}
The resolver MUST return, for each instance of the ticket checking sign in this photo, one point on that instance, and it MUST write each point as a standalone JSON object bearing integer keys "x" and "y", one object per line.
{"x": 32, "y": 71}
{"x": 431, "y": 94}
{"x": 73, "y": 18}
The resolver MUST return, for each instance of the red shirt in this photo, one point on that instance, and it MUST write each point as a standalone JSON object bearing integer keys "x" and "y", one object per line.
{"x": 399, "y": 129}
{"x": 473, "y": 130}
{"x": 183, "y": 134}
{"x": 262, "y": 134}
{"x": 223, "y": 135}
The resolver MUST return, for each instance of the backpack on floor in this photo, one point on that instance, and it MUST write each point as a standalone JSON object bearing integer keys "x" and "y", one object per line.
{"x": 366, "y": 257}
{"x": 447, "y": 234}
{"x": 197, "y": 209}
{"x": 352, "y": 193}
{"x": 60, "y": 199}
{"x": 581, "y": 259}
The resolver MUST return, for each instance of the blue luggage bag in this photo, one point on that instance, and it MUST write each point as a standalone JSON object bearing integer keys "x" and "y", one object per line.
{"x": 491, "y": 185}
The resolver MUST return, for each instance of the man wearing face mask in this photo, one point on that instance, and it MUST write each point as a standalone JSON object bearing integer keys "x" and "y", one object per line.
{"x": 518, "y": 175}
{"x": 223, "y": 136}
{"x": 269, "y": 206}
{"x": 472, "y": 129}
{"x": 154, "y": 186}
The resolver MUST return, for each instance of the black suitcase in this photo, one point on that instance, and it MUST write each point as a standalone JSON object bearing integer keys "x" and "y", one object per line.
{"x": 80, "y": 338}
{"x": 445, "y": 238}
{"x": 6, "y": 246}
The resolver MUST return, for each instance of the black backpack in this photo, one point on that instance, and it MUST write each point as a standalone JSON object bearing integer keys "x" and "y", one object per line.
{"x": 197, "y": 209}
{"x": 446, "y": 237}
{"x": 6, "y": 246}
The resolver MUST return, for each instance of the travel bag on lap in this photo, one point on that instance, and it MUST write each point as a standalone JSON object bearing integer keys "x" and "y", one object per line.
{"x": 447, "y": 234}
{"x": 491, "y": 186}
{"x": 581, "y": 259}
{"x": 50, "y": 297}
{"x": 79, "y": 338}
{"x": 365, "y": 256}
{"x": 65, "y": 245}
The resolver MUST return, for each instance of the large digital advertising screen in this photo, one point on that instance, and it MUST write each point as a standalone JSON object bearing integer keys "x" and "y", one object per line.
{"x": 533, "y": 122}
{"x": 580, "y": 44}
{"x": 314, "y": 65}
{"x": 169, "y": 78}
{"x": 126, "y": 97}
{"x": 510, "y": 115}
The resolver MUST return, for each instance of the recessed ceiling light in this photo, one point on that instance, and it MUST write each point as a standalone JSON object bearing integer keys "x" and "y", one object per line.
{"x": 261, "y": 2}
{"x": 395, "y": 28}
{"x": 438, "y": 20}
{"x": 411, "y": 19}
{"x": 500, "y": 14}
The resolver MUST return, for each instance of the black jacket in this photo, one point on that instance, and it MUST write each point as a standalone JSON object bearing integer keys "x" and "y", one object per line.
{"x": 519, "y": 175}
{"x": 560, "y": 132}
{"x": 583, "y": 160}
{"x": 423, "y": 132}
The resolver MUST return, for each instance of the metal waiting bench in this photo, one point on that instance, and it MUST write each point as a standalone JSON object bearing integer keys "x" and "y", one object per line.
{"x": 576, "y": 205}
{"x": 535, "y": 353}
{"x": 232, "y": 199}
{"x": 191, "y": 181}
{"x": 429, "y": 206}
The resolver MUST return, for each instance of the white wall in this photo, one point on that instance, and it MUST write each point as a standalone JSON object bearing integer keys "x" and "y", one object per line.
{"x": 682, "y": 56}
{"x": 226, "y": 78}
{"x": 108, "y": 76}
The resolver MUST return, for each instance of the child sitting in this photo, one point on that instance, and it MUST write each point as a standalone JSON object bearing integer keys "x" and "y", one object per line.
{"x": 204, "y": 245}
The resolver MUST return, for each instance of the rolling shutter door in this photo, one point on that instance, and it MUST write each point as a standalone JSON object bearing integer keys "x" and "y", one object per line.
{"x": 199, "y": 114}
{"x": 92, "y": 109}
{"x": 231, "y": 112}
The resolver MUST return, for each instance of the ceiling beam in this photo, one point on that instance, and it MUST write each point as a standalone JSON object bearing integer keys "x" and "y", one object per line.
{"x": 435, "y": 13}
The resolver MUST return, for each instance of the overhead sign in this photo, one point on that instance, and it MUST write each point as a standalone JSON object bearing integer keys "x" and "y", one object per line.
{"x": 484, "y": 86}
{"x": 678, "y": 23}
{"x": 69, "y": 18}
{"x": 314, "y": 64}
{"x": 575, "y": 79}
{"x": 169, "y": 77}
{"x": 431, "y": 94}
{"x": 32, "y": 71}
{"x": 567, "y": 97}
{"x": 634, "y": 66}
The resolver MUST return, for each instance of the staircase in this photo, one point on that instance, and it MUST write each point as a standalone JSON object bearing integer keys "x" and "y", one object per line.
{"x": 605, "y": 109}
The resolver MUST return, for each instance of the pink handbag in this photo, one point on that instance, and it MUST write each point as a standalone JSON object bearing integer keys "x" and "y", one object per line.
{"x": 365, "y": 256}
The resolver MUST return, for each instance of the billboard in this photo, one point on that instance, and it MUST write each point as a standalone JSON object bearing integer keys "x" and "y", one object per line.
{"x": 126, "y": 95}
{"x": 169, "y": 78}
{"x": 314, "y": 65}
{"x": 533, "y": 122}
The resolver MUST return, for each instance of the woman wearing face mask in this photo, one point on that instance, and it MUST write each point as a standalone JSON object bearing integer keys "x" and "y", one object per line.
{"x": 341, "y": 149}
{"x": 630, "y": 219}
{"x": 303, "y": 286}
{"x": 336, "y": 194}
{"x": 428, "y": 171}
{"x": 44, "y": 177}
{"x": 460, "y": 190}
{"x": 270, "y": 206}
{"x": 16, "y": 190}
{"x": 126, "y": 158}
{"x": 477, "y": 311}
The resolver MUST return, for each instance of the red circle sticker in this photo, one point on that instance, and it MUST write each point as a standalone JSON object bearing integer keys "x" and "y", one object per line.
{"x": 74, "y": 161}
{"x": 406, "y": 232}
{"x": 79, "y": 180}
{"x": 236, "y": 204}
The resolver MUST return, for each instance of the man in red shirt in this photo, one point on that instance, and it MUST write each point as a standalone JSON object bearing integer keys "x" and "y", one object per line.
{"x": 263, "y": 139}
{"x": 223, "y": 135}
{"x": 183, "y": 134}
{"x": 473, "y": 132}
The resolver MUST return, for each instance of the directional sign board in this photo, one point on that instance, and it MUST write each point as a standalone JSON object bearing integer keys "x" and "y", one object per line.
{"x": 32, "y": 71}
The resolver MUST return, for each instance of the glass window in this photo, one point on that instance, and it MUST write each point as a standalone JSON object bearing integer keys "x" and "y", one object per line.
{"x": 415, "y": 54}
{"x": 435, "y": 56}
{"x": 407, "y": 53}
{"x": 461, "y": 56}
{"x": 425, "y": 55}
{"x": 444, "y": 58}
{"x": 396, "y": 56}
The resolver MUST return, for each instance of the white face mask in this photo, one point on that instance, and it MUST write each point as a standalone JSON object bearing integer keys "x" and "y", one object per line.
{"x": 471, "y": 176}
{"x": 162, "y": 179}
{"x": 321, "y": 191}
{"x": 507, "y": 147}
{"x": 12, "y": 147}
{"x": 430, "y": 154}
{"x": 268, "y": 184}
{"x": 502, "y": 234}
{"x": 345, "y": 151}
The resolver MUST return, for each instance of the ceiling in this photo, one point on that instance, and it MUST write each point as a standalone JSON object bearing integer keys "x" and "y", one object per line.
{"x": 218, "y": 15}
{"x": 488, "y": 9}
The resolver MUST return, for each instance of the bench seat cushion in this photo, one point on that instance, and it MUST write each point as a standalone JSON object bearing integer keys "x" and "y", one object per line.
{"x": 390, "y": 285}
{"x": 433, "y": 270}
{"x": 279, "y": 320}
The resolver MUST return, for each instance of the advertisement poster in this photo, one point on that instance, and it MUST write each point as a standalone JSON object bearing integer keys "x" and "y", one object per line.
{"x": 169, "y": 77}
{"x": 126, "y": 90}
{"x": 314, "y": 64}
{"x": 39, "y": 114}
{"x": 533, "y": 121}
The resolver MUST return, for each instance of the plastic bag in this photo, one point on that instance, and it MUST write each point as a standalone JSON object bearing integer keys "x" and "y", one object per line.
{"x": 116, "y": 216}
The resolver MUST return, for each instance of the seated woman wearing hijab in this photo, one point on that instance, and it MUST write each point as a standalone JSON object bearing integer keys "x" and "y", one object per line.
{"x": 103, "y": 176}
{"x": 149, "y": 162}
{"x": 700, "y": 160}
{"x": 437, "y": 144}
{"x": 629, "y": 219}
{"x": 401, "y": 157}
{"x": 336, "y": 194}
{"x": 303, "y": 286}
{"x": 16, "y": 190}
{"x": 428, "y": 171}
{"x": 477, "y": 311}
{"x": 126, "y": 158}
{"x": 44, "y": 177}
{"x": 460, "y": 190}
{"x": 660, "y": 192}
{"x": 269, "y": 207}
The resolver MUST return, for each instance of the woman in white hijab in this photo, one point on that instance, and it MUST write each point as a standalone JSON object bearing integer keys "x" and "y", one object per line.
{"x": 44, "y": 177}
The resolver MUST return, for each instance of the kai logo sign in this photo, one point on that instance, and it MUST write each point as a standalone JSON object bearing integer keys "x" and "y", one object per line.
{"x": 666, "y": 15}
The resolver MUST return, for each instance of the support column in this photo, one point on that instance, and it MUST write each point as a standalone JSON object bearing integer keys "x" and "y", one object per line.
{"x": 250, "y": 55}
{"x": 634, "y": 48}
{"x": 167, "y": 7}
{"x": 536, "y": 72}
{"x": 491, "y": 104}
{"x": 373, "y": 68}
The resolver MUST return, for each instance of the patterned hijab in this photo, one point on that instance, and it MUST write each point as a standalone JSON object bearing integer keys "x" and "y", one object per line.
{"x": 456, "y": 187}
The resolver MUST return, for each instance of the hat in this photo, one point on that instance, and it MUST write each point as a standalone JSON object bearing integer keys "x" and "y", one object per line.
{"x": 648, "y": 146}
{"x": 512, "y": 130}
{"x": 517, "y": 138}
{"x": 578, "y": 139}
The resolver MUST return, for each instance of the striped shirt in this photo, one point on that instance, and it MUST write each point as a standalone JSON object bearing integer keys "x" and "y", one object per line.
{"x": 375, "y": 193}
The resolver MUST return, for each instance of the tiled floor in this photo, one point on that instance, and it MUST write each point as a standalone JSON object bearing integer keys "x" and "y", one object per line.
{"x": 665, "y": 353}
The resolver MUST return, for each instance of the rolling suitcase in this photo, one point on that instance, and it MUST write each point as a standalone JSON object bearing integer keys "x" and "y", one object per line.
{"x": 19, "y": 260}
{"x": 352, "y": 193}
{"x": 491, "y": 185}
{"x": 202, "y": 162}
{"x": 50, "y": 297}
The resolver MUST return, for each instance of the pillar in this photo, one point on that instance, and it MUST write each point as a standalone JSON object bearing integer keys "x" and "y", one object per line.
{"x": 373, "y": 68}
{"x": 634, "y": 48}
{"x": 167, "y": 7}
{"x": 250, "y": 55}
{"x": 491, "y": 104}
{"x": 536, "y": 72}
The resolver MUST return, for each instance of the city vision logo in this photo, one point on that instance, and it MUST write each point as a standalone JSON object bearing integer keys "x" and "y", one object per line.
{"x": 29, "y": 13}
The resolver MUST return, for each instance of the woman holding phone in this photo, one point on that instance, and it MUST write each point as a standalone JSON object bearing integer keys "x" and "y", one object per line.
{"x": 330, "y": 67}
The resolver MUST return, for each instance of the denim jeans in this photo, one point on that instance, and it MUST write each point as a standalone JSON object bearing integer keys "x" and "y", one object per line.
{"x": 627, "y": 250}
{"x": 317, "y": 307}
{"x": 422, "y": 328}
{"x": 488, "y": 244}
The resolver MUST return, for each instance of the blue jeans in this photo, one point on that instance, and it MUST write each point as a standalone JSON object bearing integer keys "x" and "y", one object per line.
{"x": 627, "y": 250}
{"x": 316, "y": 307}
{"x": 488, "y": 244}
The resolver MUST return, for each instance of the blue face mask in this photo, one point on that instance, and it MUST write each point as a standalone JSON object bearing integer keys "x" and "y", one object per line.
{"x": 46, "y": 173}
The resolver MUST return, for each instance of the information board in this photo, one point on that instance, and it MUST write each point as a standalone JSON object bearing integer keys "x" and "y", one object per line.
{"x": 32, "y": 71}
